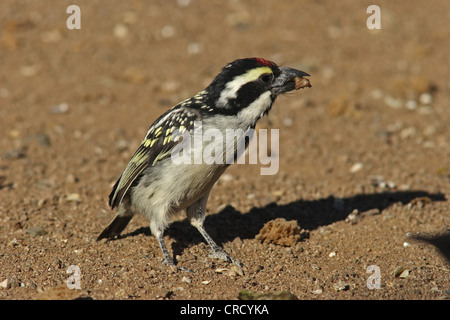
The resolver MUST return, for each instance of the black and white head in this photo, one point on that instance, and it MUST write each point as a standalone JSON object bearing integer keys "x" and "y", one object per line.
{"x": 248, "y": 87}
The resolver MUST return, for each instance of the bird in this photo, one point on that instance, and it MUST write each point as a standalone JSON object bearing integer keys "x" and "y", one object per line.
{"x": 157, "y": 187}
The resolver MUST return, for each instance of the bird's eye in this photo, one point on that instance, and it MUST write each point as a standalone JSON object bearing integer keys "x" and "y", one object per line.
{"x": 266, "y": 78}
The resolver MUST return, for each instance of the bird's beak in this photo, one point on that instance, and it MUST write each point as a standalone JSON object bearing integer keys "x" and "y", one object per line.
{"x": 288, "y": 80}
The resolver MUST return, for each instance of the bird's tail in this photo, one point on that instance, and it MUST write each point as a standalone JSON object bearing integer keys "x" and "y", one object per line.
{"x": 115, "y": 227}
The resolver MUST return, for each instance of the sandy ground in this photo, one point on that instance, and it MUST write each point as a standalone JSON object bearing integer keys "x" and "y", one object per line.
{"x": 363, "y": 155}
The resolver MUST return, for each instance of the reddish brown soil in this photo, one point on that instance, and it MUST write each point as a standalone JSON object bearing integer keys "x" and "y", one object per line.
{"x": 372, "y": 134}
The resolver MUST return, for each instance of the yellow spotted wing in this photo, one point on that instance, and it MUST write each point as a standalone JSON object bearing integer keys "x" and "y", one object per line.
{"x": 156, "y": 146}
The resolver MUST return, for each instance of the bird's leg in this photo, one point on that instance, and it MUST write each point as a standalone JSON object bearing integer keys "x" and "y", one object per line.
{"x": 166, "y": 256}
{"x": 196, "y": 216}
{"x": 167, "y": 260}
{"x": 217, "y": 252}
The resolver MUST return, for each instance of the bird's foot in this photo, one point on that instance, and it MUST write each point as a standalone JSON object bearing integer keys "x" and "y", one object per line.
{"x": 169, "y": 262}
{"x": 219, "y": 253}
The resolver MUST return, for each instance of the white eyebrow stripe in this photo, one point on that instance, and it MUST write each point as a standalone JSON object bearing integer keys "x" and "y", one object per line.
{"x": 232, "y": 87}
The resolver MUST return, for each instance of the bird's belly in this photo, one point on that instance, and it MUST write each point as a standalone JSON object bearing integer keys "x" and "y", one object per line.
{"x": 174, "y": 187}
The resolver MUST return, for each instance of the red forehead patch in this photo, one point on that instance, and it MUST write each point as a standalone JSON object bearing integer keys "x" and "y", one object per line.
{"x": 265, "y": 62}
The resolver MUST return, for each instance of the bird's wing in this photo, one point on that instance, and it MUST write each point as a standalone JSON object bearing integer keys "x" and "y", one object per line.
{"x": 157, "y": 145}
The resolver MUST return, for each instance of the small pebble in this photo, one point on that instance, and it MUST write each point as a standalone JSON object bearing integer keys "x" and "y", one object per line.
{"x": 318, "y": 291}
{"x": 186, "y": 280}
{"x": 353, "y": 217}
{"x": 399, "y": 271}
{"x": 288, "y": 122}
{"x": 376, "y": 94}
{"x": 36, "y": 231}
{"x": 341, "y": 286}
{"x": 29, "y": 71}
{"x": 120, "y": 31}
{"x": 60, "y": 108}
{"x": 13, "y": 243}
{"x": 411, "y": 105}
{"x": 278, "y": 193}
{"x": 134, "y": 75}
{"x": 168, "y": 31}
{"x": 194, "y": 48}
{"x": 356, "y": 167}
{"x": 226, "y": 178}
{"x": 221, "y": 270}
{"x": 393, "y": 102}
{"x": 425, "y": 98}
{"x": 408, "y": 132}
{"x": 183, "y": 3}
{"x": 122, "y": 145}
{"x": 371, "y": 212}
{"x": 14, "y": 154}
{"x": 404, "y": 274}
{"x": 41, "y": 138}
{"x": 73, "y": 197}
{"x": 9, "y": 283}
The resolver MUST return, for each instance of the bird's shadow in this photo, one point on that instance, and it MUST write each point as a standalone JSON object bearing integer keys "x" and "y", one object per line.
{"x": 229, "y": 223}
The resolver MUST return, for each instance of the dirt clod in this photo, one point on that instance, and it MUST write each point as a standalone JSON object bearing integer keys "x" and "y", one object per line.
{"x": 280, "y": 232}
